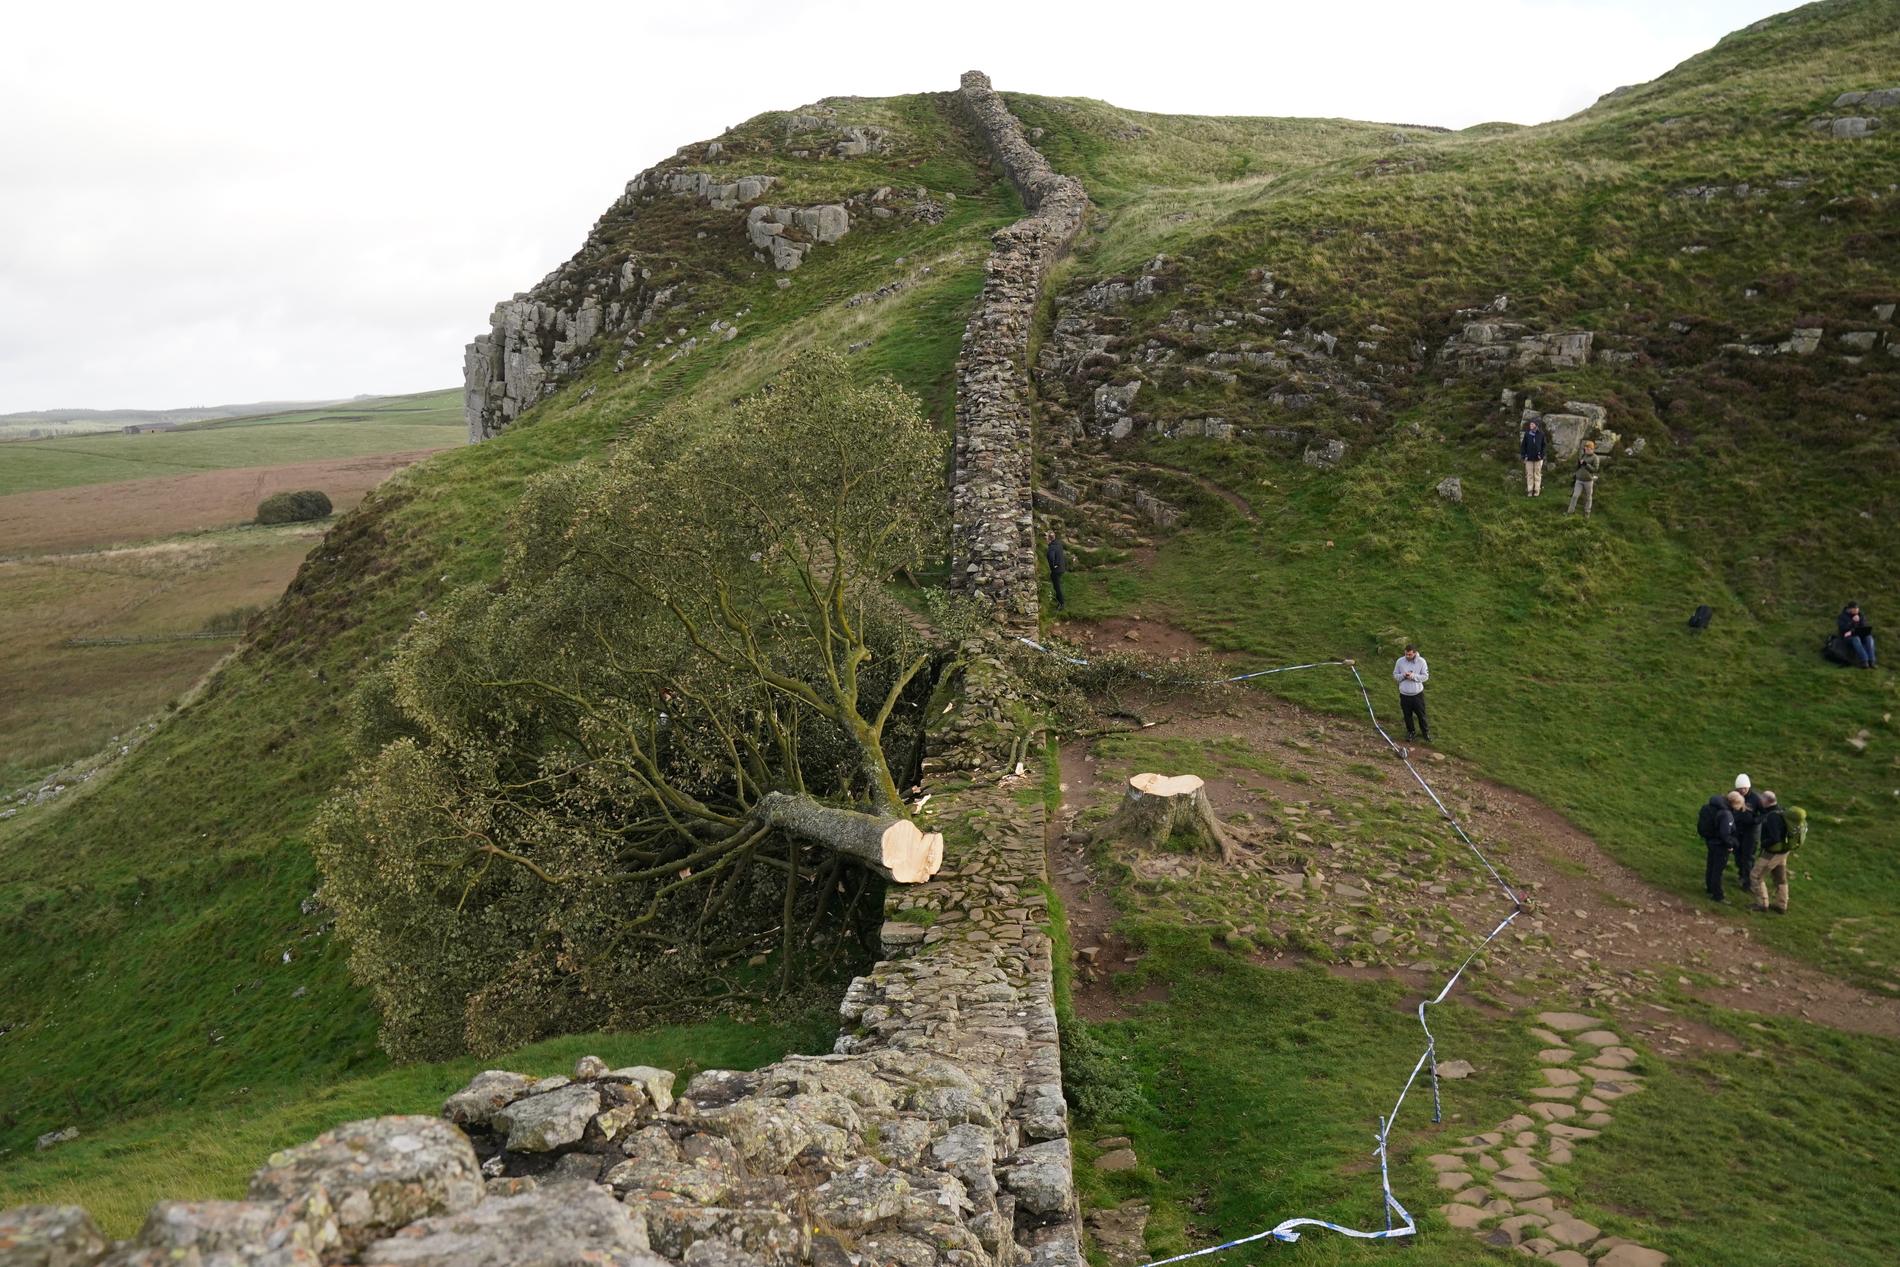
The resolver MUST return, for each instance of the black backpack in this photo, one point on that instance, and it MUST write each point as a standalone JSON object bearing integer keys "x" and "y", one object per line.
{"x": 1708, "y": 823}
{"x": 1701, "y": 618}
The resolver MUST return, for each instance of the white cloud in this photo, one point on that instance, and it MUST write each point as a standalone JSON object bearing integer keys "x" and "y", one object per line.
{"x": 208, "y": 202}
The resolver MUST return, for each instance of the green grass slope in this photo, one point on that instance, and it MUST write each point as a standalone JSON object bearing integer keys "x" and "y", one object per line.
{"x": 155, "y": 949}
{"x": 1769, "y": 486}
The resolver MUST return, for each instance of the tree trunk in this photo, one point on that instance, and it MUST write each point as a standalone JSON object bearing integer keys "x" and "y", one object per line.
{"x": 1159, "y": 809}
{"x": 895, "y": 848}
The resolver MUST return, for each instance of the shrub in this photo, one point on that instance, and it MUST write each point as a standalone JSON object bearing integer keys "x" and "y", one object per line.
{"x": 290, "y": 508}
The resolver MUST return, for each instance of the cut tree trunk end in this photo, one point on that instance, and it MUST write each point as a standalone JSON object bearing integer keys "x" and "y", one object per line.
{"x": 895, "y": 848}
{"x": 1169, "y": 810}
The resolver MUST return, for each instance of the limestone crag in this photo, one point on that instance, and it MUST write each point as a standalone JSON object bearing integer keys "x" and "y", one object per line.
{"x": 605, "y": 298}
{"x": 784, "y": 234}
{"x": 1490, "y": 345}
{"x": 993, "y": 538}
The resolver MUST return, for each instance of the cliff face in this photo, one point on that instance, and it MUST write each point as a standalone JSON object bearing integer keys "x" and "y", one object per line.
{"x": 695, "y": 224}
{"x": 540, "y": 338}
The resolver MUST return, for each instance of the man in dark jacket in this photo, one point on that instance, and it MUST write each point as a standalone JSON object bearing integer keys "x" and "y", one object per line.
{"x": 1853, "y": 626}
{"x": 1747, "y": 830}
{"x": 1058, "y": 564}
{"x": 1716, "y": 826}
{"x": 1531, "y": 449}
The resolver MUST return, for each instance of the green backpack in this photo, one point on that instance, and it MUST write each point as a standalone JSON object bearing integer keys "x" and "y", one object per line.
{"x": 1797, "y": 828}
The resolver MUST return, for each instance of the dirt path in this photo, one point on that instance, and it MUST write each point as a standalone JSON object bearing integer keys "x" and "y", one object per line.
{"x": 1612, "y": 938}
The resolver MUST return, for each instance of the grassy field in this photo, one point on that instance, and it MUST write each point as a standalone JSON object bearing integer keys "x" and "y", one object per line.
{"x": 124, "y": 571}
{"x": 398, "y": 424}
{"x": 1256, "y": 1094}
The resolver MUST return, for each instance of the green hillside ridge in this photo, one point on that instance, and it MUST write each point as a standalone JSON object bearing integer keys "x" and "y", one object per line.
{"x": 1767, "y": 486}
{"x": 154, "y": 954}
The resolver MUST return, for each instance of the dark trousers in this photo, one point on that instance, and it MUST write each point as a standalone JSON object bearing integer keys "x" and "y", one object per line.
{"x": 1055, "y": 579}
{"x": 1413, "y": 707}
{"x": 1745, "y": 862}
{"x": 1712, "y": 874}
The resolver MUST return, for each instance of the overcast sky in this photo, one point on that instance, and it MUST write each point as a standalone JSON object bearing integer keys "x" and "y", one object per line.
{"x": 205, "y": 203}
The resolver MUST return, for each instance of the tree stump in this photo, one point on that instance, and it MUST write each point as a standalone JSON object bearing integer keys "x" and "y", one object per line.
{"x": 1160, "y": 809}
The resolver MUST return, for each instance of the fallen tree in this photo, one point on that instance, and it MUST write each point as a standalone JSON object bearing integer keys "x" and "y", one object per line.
{"x": 673, "y": 726}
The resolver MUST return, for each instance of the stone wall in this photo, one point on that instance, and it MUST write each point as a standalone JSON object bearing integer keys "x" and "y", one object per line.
{"x": 993, "y": 539}
{"x": 934, "y": 1135}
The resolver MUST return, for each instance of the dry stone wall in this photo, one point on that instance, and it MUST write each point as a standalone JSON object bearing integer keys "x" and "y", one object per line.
{"x": 993, "y": 537}
{"x": 934, "y": 1135}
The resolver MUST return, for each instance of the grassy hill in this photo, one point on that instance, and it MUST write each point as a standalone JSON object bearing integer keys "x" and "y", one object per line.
{"x": 392, "y": 424}
{"x": 153, "y": 923}
{"x": 1766, "y": 486}
{"x": 153, "y": 950}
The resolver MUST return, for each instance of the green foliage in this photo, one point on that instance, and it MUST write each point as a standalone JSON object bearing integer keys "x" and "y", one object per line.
{"x": 561, "y": 828}
{"x": 1097, "y": 1079}
{"x": 294, "y": 507}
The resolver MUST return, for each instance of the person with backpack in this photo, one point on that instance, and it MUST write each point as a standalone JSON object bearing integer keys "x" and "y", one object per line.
{"x": 1859, "y": 634}
{"x": 1747, "y": 830}
{"x": 1584, "y": 487}
{"x": 1782, "y": 832}
{"x": 1716, "y": 825}
{"x": 1531, "y": 449}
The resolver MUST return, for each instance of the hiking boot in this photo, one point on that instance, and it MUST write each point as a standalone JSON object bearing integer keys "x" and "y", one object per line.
{"x": 1758, "y": 908}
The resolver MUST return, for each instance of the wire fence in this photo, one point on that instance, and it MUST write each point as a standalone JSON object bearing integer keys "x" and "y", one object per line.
{"x": 1288, "y": 1231}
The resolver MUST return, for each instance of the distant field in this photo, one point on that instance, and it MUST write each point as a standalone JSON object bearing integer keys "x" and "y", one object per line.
{"x": 93, "y": 515}
{"x": 60, "y": 702}
{"x": 126, "y": 561}
{"x": 401, "y": 424}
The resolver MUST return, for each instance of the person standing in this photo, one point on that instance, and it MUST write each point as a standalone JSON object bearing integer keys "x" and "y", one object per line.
{"x": 1584, "y": 486}
{"x": 1058, "y": 564}
{"x": 1859, "y": 634}
{"x": 1781, "y": 832}
{"x": 1411, "y": 673}
{"x": 1716, "y": 826}
{"x": 1747, "y": 830}
{"x": 1531, "y": 449}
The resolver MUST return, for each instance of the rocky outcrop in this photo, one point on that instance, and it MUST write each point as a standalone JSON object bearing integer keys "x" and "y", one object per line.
{"x": 605, "y": 296}
{"x": 1480, "y": 346}
{"x": 782, "y": 235}
{"x": 993, "y": 537}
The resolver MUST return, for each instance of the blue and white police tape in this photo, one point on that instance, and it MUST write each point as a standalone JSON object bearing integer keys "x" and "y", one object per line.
{"x": 1287, "y": 1232}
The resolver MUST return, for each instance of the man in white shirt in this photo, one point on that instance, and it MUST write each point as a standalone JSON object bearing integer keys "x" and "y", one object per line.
{"x": 1411, "y": 675}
